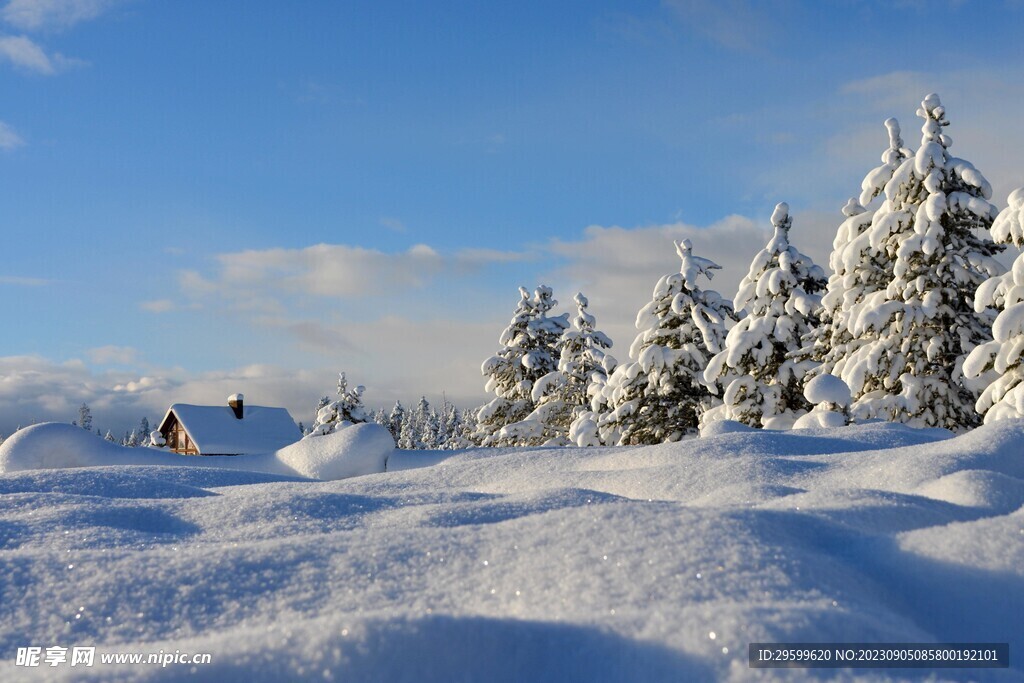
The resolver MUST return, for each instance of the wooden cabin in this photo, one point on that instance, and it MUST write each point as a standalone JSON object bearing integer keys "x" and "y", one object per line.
{"x": 232, "y": 429}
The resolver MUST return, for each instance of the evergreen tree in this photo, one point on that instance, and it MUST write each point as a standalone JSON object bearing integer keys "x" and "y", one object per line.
{"x": 660, "y": 394}
{"x": 529, "y": 354}
{"x": 934, "y": 227}
{"x": 469, "y": 426}
{"x": 380, "y": 417}
{"x": 860, "y": 274}
{"x": 144, "y": 429}
{"x": 131, "y": 439}
{"x": 561, "y": 396}
{"x": 1001, "y": 360}
{"x": 85, "y": 417}
{"x": 395, "y": 420}
{"x": 455, "y": 429}
{"x": 408, "y": 435}
{"x": 763, "y": 383}
{"x": 110, "y": 437}
{"x": 346, "y": 410}
{"x": 430, "y": 436}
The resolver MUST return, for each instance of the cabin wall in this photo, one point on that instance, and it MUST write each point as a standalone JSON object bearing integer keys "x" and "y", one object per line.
{"x": 178, "y": 439}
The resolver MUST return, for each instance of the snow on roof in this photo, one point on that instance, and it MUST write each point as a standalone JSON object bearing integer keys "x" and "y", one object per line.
{"x": 216, "y": 431}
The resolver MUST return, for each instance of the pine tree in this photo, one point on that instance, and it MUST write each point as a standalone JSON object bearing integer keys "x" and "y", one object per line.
{"x": 395, "y": 420}
{"x": 934, "y": 227}
{"x": 455, "y": 430}
{"x": 1001, "y": 360}
{"x": 763, "y": 383}
{"x": 131, "y": 439}
{"x": 144, "y": 428}
{"x": 660, "y": 394}
{"x": 430, "y": 437}
{"x": 346, "y": 410}
{"x": 860, "y": 274}
{"x": 562, "y": 396}
{"x": 85, "y": 417}
{"x": 408, "y": 434}
{"x": 110, "y": 437}
{"x": 529, "y": 353}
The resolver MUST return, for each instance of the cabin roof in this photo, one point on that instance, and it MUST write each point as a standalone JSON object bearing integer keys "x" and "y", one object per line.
{"x": 216, "y": 431}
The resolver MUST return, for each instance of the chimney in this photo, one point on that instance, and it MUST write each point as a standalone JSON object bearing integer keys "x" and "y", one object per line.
{"x": 235, "y": 403}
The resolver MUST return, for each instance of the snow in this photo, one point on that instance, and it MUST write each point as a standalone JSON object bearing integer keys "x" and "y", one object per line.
{"x": 827, "y": 388}
{"x": 603, "y": 564}
{"x": 353, "y": 451}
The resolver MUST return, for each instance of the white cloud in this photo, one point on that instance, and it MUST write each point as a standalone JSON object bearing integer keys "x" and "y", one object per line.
{"x": 158, "y": 306}
{"x": 113, "y": 355}
{"x": 31, "y": 15}
{"x": 739, "y": 25}
{"x": 258, "y": 279}
{"x": 24, "y": 53}
{"x": 8, "y": 138}
{"x": 392, "y": 224}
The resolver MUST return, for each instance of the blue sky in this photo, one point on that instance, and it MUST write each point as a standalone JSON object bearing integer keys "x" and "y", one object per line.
{"x": 197, "y": 200}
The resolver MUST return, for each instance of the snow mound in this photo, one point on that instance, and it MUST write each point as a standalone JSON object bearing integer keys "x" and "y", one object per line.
{"x": 719, "y": 427}
{"x": 354, "y": 451}
{"x": 978, "y": 488}
{"x": 350, "y": 452}
{"x": 827, "y": 389}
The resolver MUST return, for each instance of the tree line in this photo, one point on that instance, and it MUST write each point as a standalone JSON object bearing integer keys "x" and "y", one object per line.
{"x": 916, "y": 323}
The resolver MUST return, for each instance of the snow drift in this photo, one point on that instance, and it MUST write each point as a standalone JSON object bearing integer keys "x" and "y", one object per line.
{"x": 353, "y": 451}
{"x": 658, "y": 563}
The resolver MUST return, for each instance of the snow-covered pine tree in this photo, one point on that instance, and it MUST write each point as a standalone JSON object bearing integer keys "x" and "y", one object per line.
{"x": 408, "y": 434}
{"x": 934, "y": 227}
{"x": 85, "y": 417}
{"x": 660, "y": 394}
{"x": 529, "y": 353}
{"x": 1002, "y": 358}
{"x": 860, "y": 274}
{"x": 144, "y": 429}
{"x": 131, "y": 439}
{"x": 346, "y": 410}
{"x": 110, "y": 437}
{"x": 561, "y": 395}
{"x": 454, "y": 429}
{"x": 467, "y": 417}
{"x": 395, "y": 420}
{"x": 430, "y": 436}
{"x": 779, "y": 294}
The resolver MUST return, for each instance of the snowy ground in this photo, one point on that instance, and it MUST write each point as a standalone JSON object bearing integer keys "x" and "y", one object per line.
{"x": 657, "y": 563}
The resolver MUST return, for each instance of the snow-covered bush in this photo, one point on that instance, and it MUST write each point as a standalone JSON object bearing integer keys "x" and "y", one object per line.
{"x": 528, "y": 354}
{"x": 831, "y": 400}
{"x": 916, "y": 333}
{"x": 1003, "y": 356}
{"x": 763, "y": 383}
{"x": 156, "y": 439}
{"x": 345, "y": 411}
{"x": 661, "y": 393}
